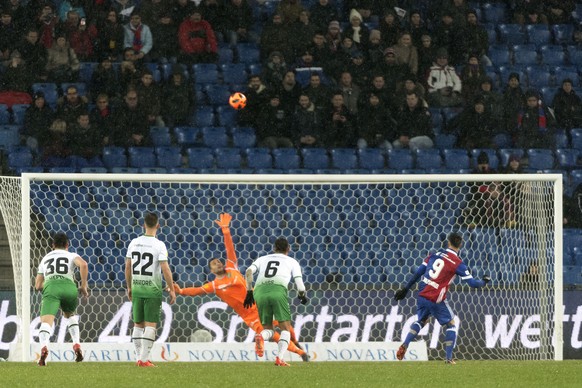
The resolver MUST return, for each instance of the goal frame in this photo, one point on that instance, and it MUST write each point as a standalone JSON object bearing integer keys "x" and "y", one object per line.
{"x": 26, "y": 178}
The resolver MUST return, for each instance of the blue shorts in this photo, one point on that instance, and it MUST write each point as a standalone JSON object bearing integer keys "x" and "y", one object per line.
{"x": 440, "y": 311}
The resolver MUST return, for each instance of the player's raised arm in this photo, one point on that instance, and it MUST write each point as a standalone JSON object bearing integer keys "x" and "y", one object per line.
{"x": 465, "y": 275}
{"x": 84, "y": 271}
{"x": 224, "y": 223}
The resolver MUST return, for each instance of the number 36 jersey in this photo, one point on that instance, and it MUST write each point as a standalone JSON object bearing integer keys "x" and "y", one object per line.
{"x": 276, "y": 268}
{"x": 441, "y": 269}
{"x": 145, "y": 254}
{"x": 58, "y": 265}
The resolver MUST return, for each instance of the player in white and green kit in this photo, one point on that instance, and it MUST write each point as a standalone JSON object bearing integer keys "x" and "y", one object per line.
{"x": 56, "y": 279}
{"x": 145, "y": 261}
{"x": 275, "y": 272}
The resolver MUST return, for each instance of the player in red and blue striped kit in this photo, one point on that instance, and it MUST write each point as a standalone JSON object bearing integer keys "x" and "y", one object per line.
{"x": 436, "y": 273}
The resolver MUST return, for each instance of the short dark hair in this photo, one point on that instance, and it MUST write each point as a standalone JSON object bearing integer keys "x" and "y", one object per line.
{"x": 151, "y": 220}
{"x": 455, "y": 239}
{"x": 281, "y": 245}
{"x": 60, "y": 240}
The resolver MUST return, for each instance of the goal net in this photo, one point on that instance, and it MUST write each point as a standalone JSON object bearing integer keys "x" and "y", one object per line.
{"x": 357, "y": 237}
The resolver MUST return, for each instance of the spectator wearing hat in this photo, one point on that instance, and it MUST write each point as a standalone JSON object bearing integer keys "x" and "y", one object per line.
{"x": 359, "y": 68}
{"x": 62, "y": 63}
{"x": 376, "y": 126}
{"x": 165, "y": 34}
{"x": 414, "y": 125}
{"x": 391, "y": 69}
{"x": 357, "y": 30}
{"x": 289, "y": 11}
{"x": 340, "y": 124}
{"x": 178, "y": 99}
{"x": 476, "y": 38}
{"x": 274, "y": 124}
{"x": 406, "y": 53}
{"x": 567, "y": 106}
{"x": 535, "y": 124}
{"x": 322, "y": 12}
{"x": 111, "y": 36}
{"x": 474, "y": 126}
{"x": 491, "y": 98}
{"x": 275, "y": 37}
{"x": 333, "y": 37}
{"x": 471, "y": 77}
{"x": 138, "y": 36}
{"x": 37, "y": 119}
{"x": 483, "y": 166}
{"x": 275, "y": 70}
{"x": 512, "y": 102}
{"x": 389, "y": 28}
{"x": 444, "y": 85}
{"x": 304, "y": 60}
{"x": 238, "y": 26}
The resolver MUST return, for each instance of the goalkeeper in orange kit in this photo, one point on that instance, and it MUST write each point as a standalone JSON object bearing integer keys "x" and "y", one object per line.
{"x": 230, "y": 286}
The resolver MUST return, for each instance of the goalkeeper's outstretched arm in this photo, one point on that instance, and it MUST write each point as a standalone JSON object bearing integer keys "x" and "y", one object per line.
{"x": 224, "y": 222}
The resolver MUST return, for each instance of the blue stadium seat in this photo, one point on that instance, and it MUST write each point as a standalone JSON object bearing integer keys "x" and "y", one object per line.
{"x": 512, "y": 34}
{"x": 547, "y": 94}
{"x": 18, "y": 112}
{"x": 243, "y": 137}
{"x": 445, "y": 140}
{"x": 234, "y": 73}
{"x": 152, "y": 170}
{"x": 502, "y": 140}
{"x": 495, "y": 13}
{"x": 204, "y": 116}
{"x": 141, "y": 157}
{"x": 114, "y": 157}
{"x": 456, "y": 158}
{"x": 20, "y": 159}
{"x": 187, "y": 136}
{"x": 567, "y": 158}
{"x": 575, "y": 55}
{"x": 4, "y": 115}
{"x": 538, "y": 76}
{"x": 371, "y": 158}
{"x": 94, "y": 170}
{"x": 493, "y": 159}
{"x": 248, "y": 53}
{"x": 575, "y": 178}
{"x": 343, "y": 158}
{"x": 563, "y": 72}
{"x": 506, "y": 70}
{"x": 258, "y": 158}
{"x": 254, "y": 68}
{"x": 286, "y": 158}
{"x": 62, "y": 170}
{"x": 506, "y": 153}
{"x": 225, "y": 55}
{"x": 561, "y": 139}
{"x": 205, "y": 73}
{"x": 168, "y": 157}
{"x": 500, "y": 56}
{"x": 124, "y": 170}
{"x": 314, "y": 158}
{"x": 217, "y": 94}
{"x": 226, "y": 116}
{"x": 540, "y": 159}
{"x": 228, "y": 158}
{"x": 576, "y": 134}
{"x": 400, "y": 159}
{"x": 553, "y": 55}
{"x": 86, "y": 70}
{"x": 50, "y": 90}
{"x": 9, "y": 136}
{"x": 200, "y": 158}
{"x": 160, "y": 136}
{"x": 563, "y": 33}
{"x": 167, "y": 69}
{"x": 538, "y": 34}
{"x": 428, "y": 159}
{"x": 525, "y": 54}
{"x": 214, "y": 137}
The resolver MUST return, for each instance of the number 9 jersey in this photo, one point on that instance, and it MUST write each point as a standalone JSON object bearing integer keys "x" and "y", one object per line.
{"x": 441, "y": 268}
{"x": 146, "y": 253}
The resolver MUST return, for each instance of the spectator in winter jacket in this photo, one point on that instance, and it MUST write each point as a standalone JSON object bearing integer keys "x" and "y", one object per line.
{"x": 475, "y": 126}
{"x": 274, "y": 125}
{"x": 239, "y": 22}
{"x": 82, "y": 36}
{"x": 111, "y": 36}
{"x": 197, "y": 40}
{"x": 414, "y": 125}
{"x": 138, "y": 36}
{"x": 535, "y": 124}
{"x": 376, "y": 127}
{"x": 340, "y": 124}
{"x": 62, "y": 63}
{"x": 444, "y": 85}
{"x": 406, "y": 53}
{"x": 567, "y": 106}
{"x": 178, "y": 101}
{"x": 37, "y": 119}
{"x": 308, "y": 121}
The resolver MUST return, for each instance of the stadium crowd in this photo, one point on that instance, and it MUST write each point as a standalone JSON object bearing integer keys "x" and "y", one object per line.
{"x": 329, "y": 74}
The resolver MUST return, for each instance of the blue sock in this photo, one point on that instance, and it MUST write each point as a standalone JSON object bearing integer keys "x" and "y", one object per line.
{"x": 450, "y": 341}
{"x": 414, "y": 330}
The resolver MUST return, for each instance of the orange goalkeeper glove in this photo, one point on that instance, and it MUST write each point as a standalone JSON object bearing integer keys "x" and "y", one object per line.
{"x": 177, "y": 289}
{"x": 224, "y": 220}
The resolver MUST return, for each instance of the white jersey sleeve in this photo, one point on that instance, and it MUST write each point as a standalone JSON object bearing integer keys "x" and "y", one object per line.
{"x": 58, "y": 265}
{"x": 276, "y": 268}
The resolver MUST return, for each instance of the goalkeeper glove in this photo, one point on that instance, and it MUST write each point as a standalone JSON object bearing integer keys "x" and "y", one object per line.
{"x": 486, "y": 279}
{"x": 224, "y": 220}
{"x": 249, "y": 300}
{"x": 302, "y": 298}
{"x": 400, "y": 294}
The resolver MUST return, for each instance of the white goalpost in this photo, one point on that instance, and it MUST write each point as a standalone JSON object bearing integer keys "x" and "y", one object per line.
{"x": 357, "y": 237}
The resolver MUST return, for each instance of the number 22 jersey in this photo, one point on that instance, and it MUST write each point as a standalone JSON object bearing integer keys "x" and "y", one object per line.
{"x": 145, "y": 254}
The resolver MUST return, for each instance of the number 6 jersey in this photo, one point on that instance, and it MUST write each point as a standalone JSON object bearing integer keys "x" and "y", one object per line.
{"x": 58, "y": 265}
{"x": 276, "y": 268}
{"x": 146, "y": 253}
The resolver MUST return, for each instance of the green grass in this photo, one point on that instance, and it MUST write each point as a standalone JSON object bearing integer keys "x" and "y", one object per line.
{"x": 324, "y": 374}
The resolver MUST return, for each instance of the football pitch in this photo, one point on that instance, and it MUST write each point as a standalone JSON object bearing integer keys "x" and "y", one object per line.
{"x": 324, "y": 374}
